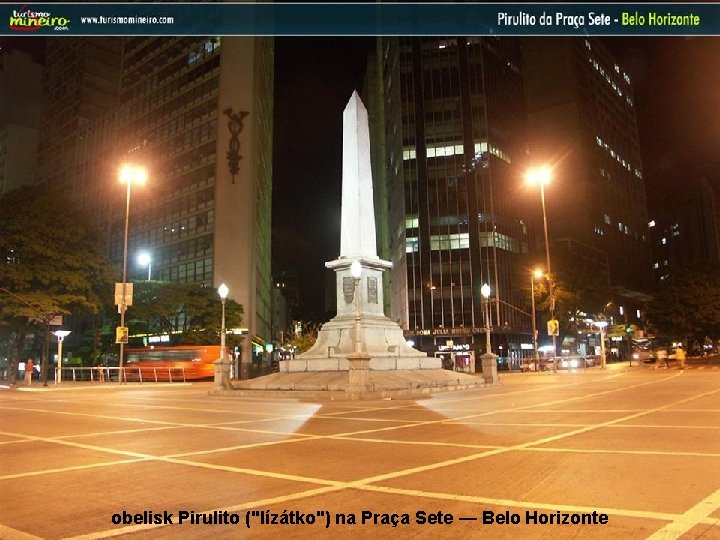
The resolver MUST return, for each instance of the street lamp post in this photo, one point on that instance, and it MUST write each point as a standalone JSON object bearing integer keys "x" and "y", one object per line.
{"x": 602, "y": 325}
{"x": 356, "y": 273}
{"x": 432, "y": 305}
{"x": 489, "y": 360}
{"x": 541, "y": 176}
{"x": 535, "y": 274}
{"x": 129, "y": 174}
{"x": 60, "y": 335}
{"x": 222, "y": 367}
{"x": 145, "y": 259}
{"x": 358, "y": 360}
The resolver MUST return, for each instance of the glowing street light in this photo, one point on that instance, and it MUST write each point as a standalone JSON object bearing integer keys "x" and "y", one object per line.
{"x": 129, "y": 174}
{"x": 541, "y": 176}
{"x": 60, "y": 335}
{"x": 145, "y": 259}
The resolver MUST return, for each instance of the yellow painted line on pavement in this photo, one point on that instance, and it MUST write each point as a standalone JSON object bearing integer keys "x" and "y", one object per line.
{"x": 698, "y": 514}
{"x": 331, "y": 485}
{"x": 176, "y": 461}
{"x": 8, "y": 533}
{"x": 672, "y": 453}
{"x": 545, "y": 440}
{"x": 459, "y": 419}
{"x": 69, "y": 469}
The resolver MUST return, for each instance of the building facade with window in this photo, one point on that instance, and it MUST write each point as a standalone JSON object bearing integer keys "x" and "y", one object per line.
{"x": 20, "y": 112}
{"x": 197, "y": 113}
{"x": 582, "y": 123}
{"x": 458, "y": 217}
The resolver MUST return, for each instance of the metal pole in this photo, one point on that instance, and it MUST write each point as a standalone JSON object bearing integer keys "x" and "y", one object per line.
{"x": 534, "y": 326}
{"x": 45, "y": 353}
{"x": 59, "y": 365}
{"x": 149, "y": 269}
{"x": 222, "y": 335}
{"x": 123, "y": 307}
{"x": 549, "y": 271}
{"x": 602, "y": 347}
{"x": 357, "y": 315}
{"x": 487, "y": 326}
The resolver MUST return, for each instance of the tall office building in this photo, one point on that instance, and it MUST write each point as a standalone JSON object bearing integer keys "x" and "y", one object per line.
{"x": 197, "y": 113}
{"x": 582, "y": 123}
{"x": 20, "y": 112}
{"x": 685, "y": 229}
{"x": 80, "y": 86}
{"x": 451, "y": 128}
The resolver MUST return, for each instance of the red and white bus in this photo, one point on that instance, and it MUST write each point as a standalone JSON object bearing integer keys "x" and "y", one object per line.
{"x": 181, "y": 362}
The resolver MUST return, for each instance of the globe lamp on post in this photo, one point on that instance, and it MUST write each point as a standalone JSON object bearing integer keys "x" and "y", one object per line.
{"x": 60, "y": 335}
{"x": 489, "y": 360}
{"x": 222, "y": 366}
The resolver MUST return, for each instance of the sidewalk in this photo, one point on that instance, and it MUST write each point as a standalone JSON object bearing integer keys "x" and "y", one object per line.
{"x": 87, "y": 385}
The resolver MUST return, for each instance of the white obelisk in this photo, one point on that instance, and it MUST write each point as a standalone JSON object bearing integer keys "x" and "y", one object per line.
{"x": 360, "y": 325}
{"x": 357, "y": 225}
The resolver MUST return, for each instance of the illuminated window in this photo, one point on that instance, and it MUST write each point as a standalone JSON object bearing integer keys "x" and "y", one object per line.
{"x": 450, "y": 241}
{"x": 412, "y": 222}
{"x": 412, "y": 244}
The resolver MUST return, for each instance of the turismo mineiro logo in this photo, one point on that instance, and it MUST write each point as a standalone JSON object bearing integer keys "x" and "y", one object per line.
{"x": 29, "y": 20}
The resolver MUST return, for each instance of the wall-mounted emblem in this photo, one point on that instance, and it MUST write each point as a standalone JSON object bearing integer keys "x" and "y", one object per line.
{"x": 235, "y": 125}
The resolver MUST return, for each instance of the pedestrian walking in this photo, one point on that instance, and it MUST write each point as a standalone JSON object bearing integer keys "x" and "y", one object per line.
{"x": 680, "y": 356}
{"x": 661, "y": 356}
{"x": 29, "y": 366}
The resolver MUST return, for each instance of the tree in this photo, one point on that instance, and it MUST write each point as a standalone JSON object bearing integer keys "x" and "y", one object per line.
{"x": 580, "y": 290}
{"x": 304, "y": 339}
{"x": 52, "y": 262}
{"x": 188, "y": 309}
{"x": 687, "y": 304}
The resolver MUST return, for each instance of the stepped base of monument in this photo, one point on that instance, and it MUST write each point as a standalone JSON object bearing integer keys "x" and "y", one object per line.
{"x": 334, "y": 385}
{"x": 381, "y": 338}
{"x": 379, "y": 363}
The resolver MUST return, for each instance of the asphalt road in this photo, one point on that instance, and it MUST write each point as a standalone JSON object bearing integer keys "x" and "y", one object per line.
{"x": 623, "y": 453}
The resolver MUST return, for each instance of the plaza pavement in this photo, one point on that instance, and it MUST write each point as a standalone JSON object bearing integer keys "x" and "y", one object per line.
{"x": 639, "y": 446}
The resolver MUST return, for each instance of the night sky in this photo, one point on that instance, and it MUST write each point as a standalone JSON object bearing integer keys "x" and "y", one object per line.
{"x": 677, "y": 97}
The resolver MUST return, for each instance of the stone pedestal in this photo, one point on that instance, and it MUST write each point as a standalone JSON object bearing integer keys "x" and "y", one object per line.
{"x": 381, "y": 338}
{"x": 358, "y": 375}
{"x": 222, "y": 375}
{"x": 489, "y": 368}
